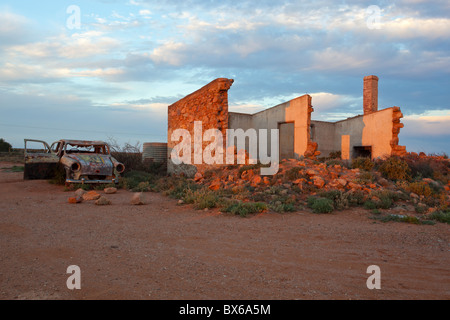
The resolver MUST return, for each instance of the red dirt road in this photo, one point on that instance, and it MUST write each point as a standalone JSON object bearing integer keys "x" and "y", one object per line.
{"x": 164, "y": 251}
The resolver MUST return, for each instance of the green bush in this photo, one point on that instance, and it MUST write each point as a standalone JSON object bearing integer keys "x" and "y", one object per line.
{"x": 441, "y": 216}
{"x": 370, "y": 205}
{"x": 356, "y": 198}
{"x": 201, "y": 198}
{"x": 245, "y": 208}
{"x": 395, "y": 168}
{"x": 132, "y": 179}
{"x": 339, "y": 198}
{"x": 320, "y": 205}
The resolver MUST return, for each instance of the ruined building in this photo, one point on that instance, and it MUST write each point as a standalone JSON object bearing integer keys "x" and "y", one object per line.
{"x": 373, "y": 134}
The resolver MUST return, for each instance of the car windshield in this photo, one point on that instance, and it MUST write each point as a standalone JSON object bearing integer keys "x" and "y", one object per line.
{"x": 99, "y": 149}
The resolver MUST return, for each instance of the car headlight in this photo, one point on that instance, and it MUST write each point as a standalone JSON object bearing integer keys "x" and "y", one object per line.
{"x": 120, "y": 168}
{"x": 75, "y": 167}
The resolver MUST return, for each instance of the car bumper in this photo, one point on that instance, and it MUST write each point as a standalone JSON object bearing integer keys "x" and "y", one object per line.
{"x": 84, "y": 181}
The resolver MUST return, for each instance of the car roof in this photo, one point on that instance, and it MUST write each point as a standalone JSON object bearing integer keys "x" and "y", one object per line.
{"x": 82, "y": 142}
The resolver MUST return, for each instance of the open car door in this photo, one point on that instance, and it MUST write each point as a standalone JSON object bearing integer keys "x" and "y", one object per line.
{"x": 40, "y": 161}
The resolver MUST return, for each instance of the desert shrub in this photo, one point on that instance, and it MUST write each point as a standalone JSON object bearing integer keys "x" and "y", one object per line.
{"x": 282, "y": 203}
{"x": 142, "y": 187}
{"x": 245, "y": 208}
{"x": 356, "y": 198}
{"x": 335, "y": 155}
{"x": 441, "y": 216}
{"x": 320, "y": 205}
{"x": 201, "y": 198}
{"x": 421, "y": 209}
{"x": 362, "y": 163}
{"x": 294, "y": 173}
{"x": 366, "y": 176}
{"x": 5, "y": 146}
{"x": 370, "y": 205}
{"x": 339, "y": 198}
{"x": 281, "y": 207}
{"x": 395, "y": 168}
{"x": 420, "y": 188}
{"x": 386, "y": 199}
{"x": 420, "y": 169}
{"x": 334, "y": 162}
{"x": 132, "y": 179}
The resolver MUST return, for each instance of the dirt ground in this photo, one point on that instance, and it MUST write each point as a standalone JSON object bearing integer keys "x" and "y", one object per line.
{"x": 162, "y": 251}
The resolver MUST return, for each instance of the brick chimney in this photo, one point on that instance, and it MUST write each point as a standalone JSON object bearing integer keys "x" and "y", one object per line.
{"x": 370, "y": 94}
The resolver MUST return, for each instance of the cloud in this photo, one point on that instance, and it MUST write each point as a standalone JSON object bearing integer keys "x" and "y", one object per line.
{"x": 427, "y": 124}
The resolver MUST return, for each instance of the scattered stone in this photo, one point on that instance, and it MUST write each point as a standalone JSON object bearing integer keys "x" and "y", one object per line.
{"x": 342, "y": 182}
{"x": 91, "y": 195}
{"x": 75, "y": 199}
{"x": 215, "y": 185}
{"x": 198, "y": 176}
{"x": 110, "y": 190}
{"x": 319, "y": 182}
{"x": 180, "y": 202}
{"x": 102, "y": 201}
{"x": 80, "y": 192}
{"x": 256, "y": 180}
{"x": 137, "y": 199}
{"x": 383, "y": 182}
{"x": 312, "y": 172}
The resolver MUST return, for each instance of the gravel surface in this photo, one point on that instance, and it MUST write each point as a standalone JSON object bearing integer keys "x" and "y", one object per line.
{"x": 164, "y": 251}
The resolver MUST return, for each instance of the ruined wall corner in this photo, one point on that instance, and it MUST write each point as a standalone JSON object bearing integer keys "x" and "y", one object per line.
{"x": 397, "y": 150}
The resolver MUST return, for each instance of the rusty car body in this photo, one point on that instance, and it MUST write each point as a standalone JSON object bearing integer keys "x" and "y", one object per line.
{"x": 82, "y": 161}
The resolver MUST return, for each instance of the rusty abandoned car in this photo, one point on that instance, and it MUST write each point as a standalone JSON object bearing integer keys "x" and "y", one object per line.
{"x": 82, "y": 161}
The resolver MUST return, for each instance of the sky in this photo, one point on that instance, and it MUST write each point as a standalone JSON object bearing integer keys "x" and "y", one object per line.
{"x": 107, "y": 70}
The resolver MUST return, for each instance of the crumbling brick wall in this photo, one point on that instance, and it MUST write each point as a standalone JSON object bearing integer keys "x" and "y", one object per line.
{"x": 209, "y": 105}
{"x": 396, "y": 126}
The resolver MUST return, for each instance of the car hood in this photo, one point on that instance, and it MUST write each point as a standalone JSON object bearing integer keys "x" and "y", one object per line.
{"x": 94, "y": 164}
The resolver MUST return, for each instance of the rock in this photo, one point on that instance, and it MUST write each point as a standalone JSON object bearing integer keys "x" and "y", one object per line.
{"x": 284, "y": 192}
{"x": 342, "y": 182}
{"x": 247, "y": 175}
{"x": 312, "y": 172}
{"x": 383, "y": 182}
{"x": 102, "y": 201}
{"x": 137, "y": 199}
{"x": 80, "y": 192}
{"x": 266, "y": 180}
{"x": 91, "y": 195}
{"x": 198, "y": 176}
{"x": 110, "y": 190}
{"x": 319, "y": 182}
{"x": 75, "y": 200}
{"x": 180, "y": 202}
{"x": 256, "y": 180}
{"x": 215, "y": 185}
{"x": 413, "y": 195}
